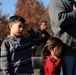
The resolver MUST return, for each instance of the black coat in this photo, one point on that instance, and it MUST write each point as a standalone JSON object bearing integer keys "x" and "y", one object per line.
{"x": 42, "y": 43}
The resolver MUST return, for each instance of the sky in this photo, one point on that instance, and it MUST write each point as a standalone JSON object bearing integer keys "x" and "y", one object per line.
{"x": 8, "y": 6}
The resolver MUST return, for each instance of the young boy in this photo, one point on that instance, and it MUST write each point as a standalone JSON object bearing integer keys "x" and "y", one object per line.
{"x": 15, "y": 53}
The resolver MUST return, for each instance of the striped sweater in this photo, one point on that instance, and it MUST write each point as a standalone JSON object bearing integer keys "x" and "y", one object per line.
{"x": 15, "y": 56}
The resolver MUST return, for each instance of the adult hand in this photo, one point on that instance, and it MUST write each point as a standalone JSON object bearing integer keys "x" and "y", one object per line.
{"x": 43, "y": 35}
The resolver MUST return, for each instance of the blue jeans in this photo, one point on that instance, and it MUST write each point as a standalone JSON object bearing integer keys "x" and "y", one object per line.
{"x": 69, "y": 65}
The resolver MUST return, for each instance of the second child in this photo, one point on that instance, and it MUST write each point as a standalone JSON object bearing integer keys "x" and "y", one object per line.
{"x": 50, "y": 55}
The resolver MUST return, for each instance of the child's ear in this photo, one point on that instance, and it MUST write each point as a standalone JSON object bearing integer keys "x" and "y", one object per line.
{"x": 10, "y": 25}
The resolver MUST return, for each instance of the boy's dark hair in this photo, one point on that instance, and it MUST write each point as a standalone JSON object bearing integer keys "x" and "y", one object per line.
{"x": 16, "y": 18}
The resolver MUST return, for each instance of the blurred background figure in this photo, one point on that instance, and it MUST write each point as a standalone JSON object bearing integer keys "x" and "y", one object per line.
{"x": 41, "y": 32}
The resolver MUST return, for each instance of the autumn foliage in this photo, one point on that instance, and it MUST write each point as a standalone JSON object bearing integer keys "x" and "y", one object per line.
{"x": 33, "y": 11}
{"x": 3, "y": 27}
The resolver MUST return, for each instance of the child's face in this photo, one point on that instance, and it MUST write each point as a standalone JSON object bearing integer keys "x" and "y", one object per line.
{"x": 57, "y": 51}
{"x": 16, "y": 28}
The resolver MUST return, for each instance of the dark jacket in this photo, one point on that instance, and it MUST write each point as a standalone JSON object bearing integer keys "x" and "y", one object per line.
{"x": 63, "y": 23}
{"x": 15, "y": 56}
{"x": 42, "y": 43}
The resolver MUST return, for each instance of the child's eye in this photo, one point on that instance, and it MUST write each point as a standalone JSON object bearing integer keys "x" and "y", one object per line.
{"x": 21, "y": 26}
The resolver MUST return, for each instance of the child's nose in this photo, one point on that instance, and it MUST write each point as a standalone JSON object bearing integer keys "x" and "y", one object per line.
{"x": 21, "y": 28}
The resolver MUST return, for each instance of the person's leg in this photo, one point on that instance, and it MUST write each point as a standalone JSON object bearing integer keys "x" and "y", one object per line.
{"x": 74, "y": 69}
{"x": 68, "y": 64}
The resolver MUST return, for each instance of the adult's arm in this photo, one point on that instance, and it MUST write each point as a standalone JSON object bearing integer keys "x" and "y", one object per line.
{"x": 62, "y": 13}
